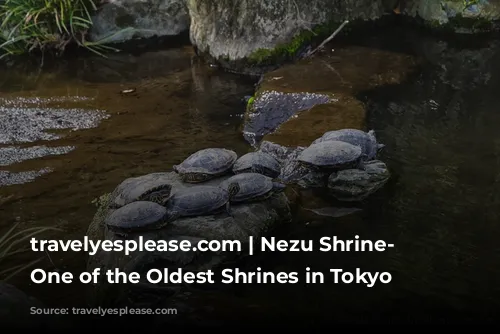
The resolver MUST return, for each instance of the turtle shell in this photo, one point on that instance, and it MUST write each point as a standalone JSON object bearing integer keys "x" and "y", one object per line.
{"x": 257, "y": 162}
{"x": 331, "y": 154}
{"x": 140, "y": 215}
{"x": 198, "y": 200}
{"x": 366, "y": 140}
{"x": 206, "y": 164}
{"x": 252, "y": 186}
{"x": 155, "y": 187}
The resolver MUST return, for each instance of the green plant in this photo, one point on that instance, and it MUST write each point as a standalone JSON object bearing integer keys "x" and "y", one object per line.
{"x": 11, "y": 243}
{"x": 43, "y": 25}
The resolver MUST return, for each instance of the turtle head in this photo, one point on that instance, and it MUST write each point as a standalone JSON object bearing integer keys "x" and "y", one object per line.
{"x": 278, "y": 187}
{"x": 380, "y": 147}
{"x": 233, "y": 188}
{"x": 175, "y": 168}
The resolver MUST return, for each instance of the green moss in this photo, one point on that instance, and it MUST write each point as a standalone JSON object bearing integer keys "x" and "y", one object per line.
{"x": 290, "y": 50}
{"x": 250, "y": 103}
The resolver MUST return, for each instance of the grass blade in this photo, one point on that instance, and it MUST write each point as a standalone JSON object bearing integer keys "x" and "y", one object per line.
{"x": 20, "y": 268}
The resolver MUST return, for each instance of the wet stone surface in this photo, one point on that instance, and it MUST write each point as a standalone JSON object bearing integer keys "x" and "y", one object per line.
{"x": 271, "y": 109}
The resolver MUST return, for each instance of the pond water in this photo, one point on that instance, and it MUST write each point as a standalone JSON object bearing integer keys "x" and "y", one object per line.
{"x": 442, "y": 145}
{"x": 102, "y": 136}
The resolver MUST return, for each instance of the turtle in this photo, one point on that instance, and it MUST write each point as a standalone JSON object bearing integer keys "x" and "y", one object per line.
{"x": 257, "y": 162}
{"x": 253, "y": 187}
{"x": 332, "y": 154}
{"x": 200, "y": 200}
{"x": 137, "y": 216}
{"x": 151, "y": 187}
{"x": 366, "y": 140}
{"x": 206, "y": 164}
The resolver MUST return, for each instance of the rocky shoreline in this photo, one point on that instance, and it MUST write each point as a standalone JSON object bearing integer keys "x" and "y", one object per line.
{"x": 247, "y": 37}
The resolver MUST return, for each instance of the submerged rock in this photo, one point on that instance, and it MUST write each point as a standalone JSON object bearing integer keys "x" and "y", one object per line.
{"x": 248, "y": 219}
{"x": 24, "y": 120}
{"x": 299, "y": 102}
{"x": 356, "y": 184}
{"x": 271, "y": 109}
{"x": 8, "y": 178}
{"x": 123, "y": 20}
{"x": 15, "y": 154}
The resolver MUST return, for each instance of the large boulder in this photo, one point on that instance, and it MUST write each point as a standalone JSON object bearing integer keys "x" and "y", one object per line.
{"x": 255, "y": 219}
{"x": 241, "y": 34}
{"x": 354, "y": 185}
{"x": 259, "y": 31}
{"x": 122, "y": 20}
{"x": 456, "y": 15}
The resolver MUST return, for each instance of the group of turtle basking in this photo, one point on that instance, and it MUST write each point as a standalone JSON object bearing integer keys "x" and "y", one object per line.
{"x": 146, "y": 205}
{"x": 151, "y": 205}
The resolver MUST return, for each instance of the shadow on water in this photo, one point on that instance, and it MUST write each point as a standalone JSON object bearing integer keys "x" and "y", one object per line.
{"x": 440, "y": 208}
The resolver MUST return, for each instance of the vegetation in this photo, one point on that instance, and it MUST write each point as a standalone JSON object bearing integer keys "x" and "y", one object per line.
{"x": 11, "y": 244}
{"x": 294, "y": 48}
{"x": 469, "y": 3}
{"x": 250, "y": 103}
{"x": 46, "y": 25}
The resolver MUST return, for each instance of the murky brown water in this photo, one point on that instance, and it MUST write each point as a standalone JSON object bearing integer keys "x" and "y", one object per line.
{"x": 439, "y": 122}
{"x": 178, "y": 107}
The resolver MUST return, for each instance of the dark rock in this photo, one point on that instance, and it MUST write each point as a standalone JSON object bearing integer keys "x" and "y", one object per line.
{"x": 355, "y": 184}
{"x": 123, "y": 20}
